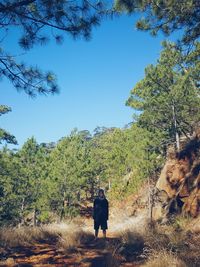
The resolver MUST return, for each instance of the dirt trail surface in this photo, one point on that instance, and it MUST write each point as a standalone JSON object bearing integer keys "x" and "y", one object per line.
{"x": 94, "y": 254}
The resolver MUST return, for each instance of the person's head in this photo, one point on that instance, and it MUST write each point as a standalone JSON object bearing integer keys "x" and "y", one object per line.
{"x": 101, "y": 193}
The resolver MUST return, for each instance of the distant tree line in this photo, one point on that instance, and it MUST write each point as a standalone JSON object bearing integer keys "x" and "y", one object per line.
{"x": 53, "y": 181}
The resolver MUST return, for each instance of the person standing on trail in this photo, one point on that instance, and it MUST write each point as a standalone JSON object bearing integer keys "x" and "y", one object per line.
{"x": 100, "y": 213}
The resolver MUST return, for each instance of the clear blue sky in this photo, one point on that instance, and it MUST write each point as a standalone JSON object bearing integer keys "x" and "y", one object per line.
{"x": 95, "y": 79}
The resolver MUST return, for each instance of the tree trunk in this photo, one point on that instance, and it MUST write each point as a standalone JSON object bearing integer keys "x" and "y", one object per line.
{"x": 149, "y": 191}
{"x": 22, "y": 214}
{"x": 63, "y": 207}
{"x": 109, "y": 184}
{"x": 176, "y": 128}
{"x": 78, "y": 196}
{"x": 34, "y": 217}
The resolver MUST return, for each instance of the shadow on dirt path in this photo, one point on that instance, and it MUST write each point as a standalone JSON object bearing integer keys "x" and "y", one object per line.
{"x": 92, "y": 254}
{"x": 48, "y": 254}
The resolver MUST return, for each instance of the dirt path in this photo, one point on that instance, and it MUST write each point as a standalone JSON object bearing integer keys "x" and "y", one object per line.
{"x": 94, "y": 254}
{"x": 91, "y": 254}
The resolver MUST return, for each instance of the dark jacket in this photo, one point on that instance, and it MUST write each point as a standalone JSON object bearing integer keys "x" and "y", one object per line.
{"x": 100, "y": 209}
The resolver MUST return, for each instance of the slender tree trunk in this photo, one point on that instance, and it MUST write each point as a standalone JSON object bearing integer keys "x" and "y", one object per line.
{"x": 109, "y": 184}
{"x": 98, "y": 182}
{"x": 68, "y": 201}
{"x": 92, "y": 190}
{"x": 63, "y": 207}
{"x": 176, "y": 128}
{"x": 149, "y": 193}
{"x": 34, "y": 217}
{"x": 78, "y": 196}
{"x": 22, "y": 213}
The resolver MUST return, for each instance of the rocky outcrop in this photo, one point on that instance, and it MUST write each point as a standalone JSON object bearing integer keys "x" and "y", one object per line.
{"x": 178, "y": 187}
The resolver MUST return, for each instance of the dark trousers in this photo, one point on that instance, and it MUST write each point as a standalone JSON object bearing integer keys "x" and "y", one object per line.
{"x": 102, "y": 223}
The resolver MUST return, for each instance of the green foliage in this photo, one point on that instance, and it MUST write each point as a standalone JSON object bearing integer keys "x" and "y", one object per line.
{"x": 165, "y": 16}
{"x": 4, "y": 135}
{"x": 37, "y": 22}
{"x": 9, "y": 186}
{"x": 32, "y": 159}
{"x": 41, "y": 180}
{"x": 68, "y": 171}
{"x": 167, "y": 99}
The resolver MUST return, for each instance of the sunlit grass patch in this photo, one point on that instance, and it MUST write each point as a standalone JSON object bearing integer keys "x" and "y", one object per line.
{"x": 71, "y": 240}
{"x": 14, "y": 237}
{"x": 163, "y": 258}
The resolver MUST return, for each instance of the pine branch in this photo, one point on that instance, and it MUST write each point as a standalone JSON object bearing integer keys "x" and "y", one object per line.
{"x": 17, "y": 4}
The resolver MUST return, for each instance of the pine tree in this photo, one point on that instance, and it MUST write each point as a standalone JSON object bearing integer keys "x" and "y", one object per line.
{"x": 32, "y": 160}
{"x": 165, "y": 16}
{"x": 4, "y": 135}
{"x": 38, "y": 21}
{"x": 167, "y": 99}
{"x": 68, "y": 173}
{"x": 9, "y": 185}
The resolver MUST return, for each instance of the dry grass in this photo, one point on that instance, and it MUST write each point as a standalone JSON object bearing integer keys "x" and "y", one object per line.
{"x": 71, "y": 240}
{"x": 194, "y": 225}
{"x": 176, "y": 244}
{"x": 65, "y": 235}
{"x": 14, "y": 237}
{"x": 132, "y": 244}
{"x": 190, "y": 253}
{"x": 163, "y": 258}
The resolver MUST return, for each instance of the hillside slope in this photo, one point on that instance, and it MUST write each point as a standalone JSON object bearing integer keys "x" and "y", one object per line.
{"x": 178, "y": 187}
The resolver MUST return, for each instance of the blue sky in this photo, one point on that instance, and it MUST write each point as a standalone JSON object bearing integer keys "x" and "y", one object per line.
{"x": 95, "y": 79}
